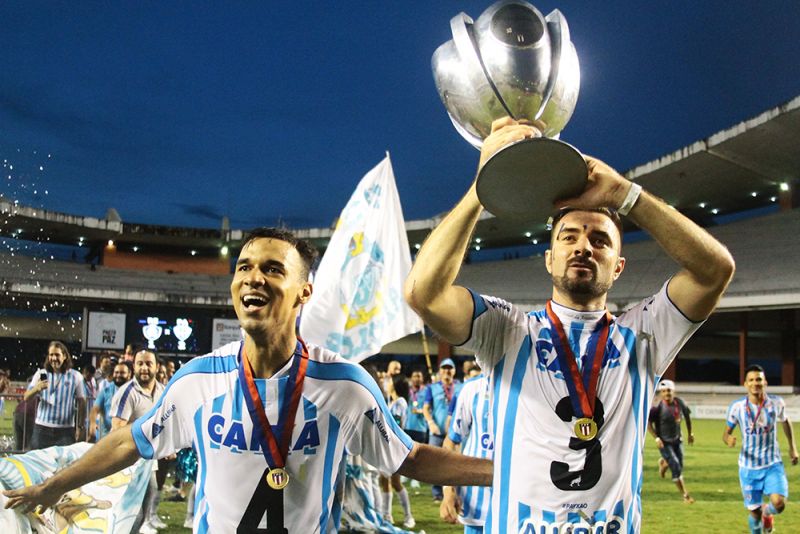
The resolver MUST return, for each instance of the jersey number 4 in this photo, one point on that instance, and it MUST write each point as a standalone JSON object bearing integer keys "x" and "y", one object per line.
{"x": 585, "y": 478}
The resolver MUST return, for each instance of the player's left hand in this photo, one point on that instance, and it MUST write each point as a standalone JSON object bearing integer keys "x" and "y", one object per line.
{"x": 691, "y": 439}
{"x": 794, "y": 456}
{"x": 605, "y": 188}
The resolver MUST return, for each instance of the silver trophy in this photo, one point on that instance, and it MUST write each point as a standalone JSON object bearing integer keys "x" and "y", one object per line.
{"x": 513, "y": 61}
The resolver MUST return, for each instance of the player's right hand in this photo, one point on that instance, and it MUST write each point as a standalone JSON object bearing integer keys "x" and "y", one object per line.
{"x": 31, "y": 498}
{"x": 42, "y": 385}
{"x": 435, "y": 430}
{"x": 731, "y": 441}
{"x": 659, "y": 443}
{"x": 450, "y": 506}
{"x": 505, "y": 131}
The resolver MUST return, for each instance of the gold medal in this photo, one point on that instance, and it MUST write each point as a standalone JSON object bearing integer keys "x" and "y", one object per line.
{"x": 277, "y": 478}
{"x": 585, "y": 429}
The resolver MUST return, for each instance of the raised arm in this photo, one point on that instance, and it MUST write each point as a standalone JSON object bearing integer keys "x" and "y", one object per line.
{"x": 430, "y": 288}
{"x": 789, "y": 431}
{"x": 706, "y": 265}
{"x": 113, "y": 453}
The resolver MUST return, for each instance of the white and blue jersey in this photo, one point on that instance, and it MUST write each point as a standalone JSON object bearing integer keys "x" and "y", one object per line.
{"x": 544, "y": 476}
{"x": 342, "y": 408}
{"x": 470, "y": 428}
{"x": 759, "y": 438}
{"x": 56, "y": 407}
{"x": 436, "y": 398}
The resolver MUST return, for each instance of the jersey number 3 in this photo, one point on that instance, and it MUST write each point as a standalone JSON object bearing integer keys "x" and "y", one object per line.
{"x": 586, "y": 478}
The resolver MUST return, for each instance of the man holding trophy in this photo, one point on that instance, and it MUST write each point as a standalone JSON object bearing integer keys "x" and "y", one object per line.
{"x": 570, "y": 384}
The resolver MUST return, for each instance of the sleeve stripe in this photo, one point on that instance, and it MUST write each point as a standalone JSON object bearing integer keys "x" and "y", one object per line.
{"x": 123, "y": 400}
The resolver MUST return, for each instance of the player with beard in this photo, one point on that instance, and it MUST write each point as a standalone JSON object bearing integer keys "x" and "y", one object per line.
{"x": 571, "y": 384}
{"x": 102, "y": 404}
{"x": 131, "y": 402}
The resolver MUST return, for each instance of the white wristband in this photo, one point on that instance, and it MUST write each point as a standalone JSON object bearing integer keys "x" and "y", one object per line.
{"x": 630, "y": 199}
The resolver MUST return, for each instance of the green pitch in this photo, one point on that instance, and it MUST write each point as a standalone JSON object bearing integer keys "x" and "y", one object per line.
{"x": 711, "y": 475}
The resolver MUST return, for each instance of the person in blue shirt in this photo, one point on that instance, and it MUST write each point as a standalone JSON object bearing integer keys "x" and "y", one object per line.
{"x": 415, "y": 426}
{"x": 436, "y": 406}
{"x": 102, "y": 404}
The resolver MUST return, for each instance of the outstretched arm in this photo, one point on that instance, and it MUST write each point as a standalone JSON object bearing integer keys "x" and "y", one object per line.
{"x": 113, "y": 453}
{"x": 706, "y": 265}
{"x": 438, "y": 466}
{"x": 789, "y": 431}
{"x": 429, "y": 288}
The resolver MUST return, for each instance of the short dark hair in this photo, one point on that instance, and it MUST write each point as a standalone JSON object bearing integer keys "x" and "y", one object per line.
{"x": 307, "y": 251}
{"x": 753, "y": 367}
{"x": 64, "y": 350}
{"x": 608, "y": 212}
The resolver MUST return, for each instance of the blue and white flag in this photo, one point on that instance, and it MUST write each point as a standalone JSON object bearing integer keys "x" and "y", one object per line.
{"x": 357, "y": 306}
{"x": 107, "y": 505}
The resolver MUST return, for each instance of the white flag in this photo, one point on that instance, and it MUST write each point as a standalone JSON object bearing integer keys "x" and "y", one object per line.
{"x": 357, "y": 306}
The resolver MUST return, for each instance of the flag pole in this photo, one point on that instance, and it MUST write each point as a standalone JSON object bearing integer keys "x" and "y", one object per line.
{"x": 427, "y": 351}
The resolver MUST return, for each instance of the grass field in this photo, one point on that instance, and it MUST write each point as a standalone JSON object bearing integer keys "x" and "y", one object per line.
{"x": 711, "y": 475}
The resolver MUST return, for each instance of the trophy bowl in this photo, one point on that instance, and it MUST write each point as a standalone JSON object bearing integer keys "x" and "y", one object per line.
{"x": 514, "y": 62}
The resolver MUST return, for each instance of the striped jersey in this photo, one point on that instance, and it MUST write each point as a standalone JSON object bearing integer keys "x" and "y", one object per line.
{"x": 759, "y": 430}
{"x": 56, "y": 407}
{"x": 544, "y": 476}
{"x": 469, "y": 427}
{"x": 130, "y": 402}
{"x": 341, "y": 408}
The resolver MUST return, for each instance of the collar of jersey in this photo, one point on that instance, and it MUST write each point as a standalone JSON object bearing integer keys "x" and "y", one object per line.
{"x": 570, "y": 314}
{"x": 284, "y": 371}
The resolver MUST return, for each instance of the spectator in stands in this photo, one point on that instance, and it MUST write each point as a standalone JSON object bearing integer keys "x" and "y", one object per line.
{"x": 102, "y": 404}
{"x": 435, "y": 407}
{"x": 416, "y": 427}
{"x": 549, "y": 430}
{"x": 62, "y": 400}
{"x": 130, "y": 402}
{"x": 665, "y": 426}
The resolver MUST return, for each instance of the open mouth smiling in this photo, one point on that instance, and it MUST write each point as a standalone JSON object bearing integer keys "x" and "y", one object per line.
{"x": 254, "y": 302}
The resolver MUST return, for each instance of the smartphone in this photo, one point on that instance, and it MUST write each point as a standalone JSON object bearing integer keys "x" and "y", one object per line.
{"x": 42, "y": 376}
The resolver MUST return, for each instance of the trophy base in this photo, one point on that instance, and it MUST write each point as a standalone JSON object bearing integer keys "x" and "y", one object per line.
{"x": 522, "y": 180}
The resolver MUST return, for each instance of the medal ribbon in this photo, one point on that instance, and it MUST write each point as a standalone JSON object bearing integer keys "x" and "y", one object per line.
{"x": 674, "y": 408}
{"x": 582, "y": 389}
{"x": 758, "y": 413}
{"x": 275, "y": 454}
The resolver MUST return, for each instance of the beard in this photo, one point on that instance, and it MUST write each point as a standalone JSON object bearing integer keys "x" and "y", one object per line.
{"x": 581, "y": 287}
{"x": 119, "y": 381}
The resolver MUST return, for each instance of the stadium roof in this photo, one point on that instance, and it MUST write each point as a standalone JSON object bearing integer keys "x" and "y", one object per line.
{"x": 737, "y": 169}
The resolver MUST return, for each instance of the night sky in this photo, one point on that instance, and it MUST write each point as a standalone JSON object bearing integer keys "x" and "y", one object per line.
{"x": 179, "y": 113}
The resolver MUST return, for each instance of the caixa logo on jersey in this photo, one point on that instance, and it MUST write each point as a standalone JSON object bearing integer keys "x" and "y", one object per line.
{"x": 486, "y": 441}
{"x": 231, "y": 435}
{"x": 599, "y": 527}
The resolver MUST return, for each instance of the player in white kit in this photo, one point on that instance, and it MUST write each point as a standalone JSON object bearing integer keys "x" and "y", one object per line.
{"x": 571, "y": 384}
{"x": 270, "y": 417}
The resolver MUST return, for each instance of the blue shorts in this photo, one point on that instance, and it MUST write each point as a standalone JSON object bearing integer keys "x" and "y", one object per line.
{"x": 470, "y": 529}
{"x": 759, "y": 482}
